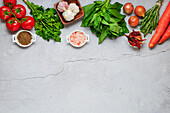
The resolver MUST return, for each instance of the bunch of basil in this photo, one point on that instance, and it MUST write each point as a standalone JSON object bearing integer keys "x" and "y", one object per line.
{"x": 105, "y": 19}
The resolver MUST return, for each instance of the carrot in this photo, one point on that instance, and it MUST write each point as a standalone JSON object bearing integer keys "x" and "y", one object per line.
{"x": 165, "y": 36}
{"x": 162, "y": 25}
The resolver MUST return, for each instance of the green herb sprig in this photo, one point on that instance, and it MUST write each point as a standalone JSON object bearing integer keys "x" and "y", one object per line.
{"x": 47, "y": 22}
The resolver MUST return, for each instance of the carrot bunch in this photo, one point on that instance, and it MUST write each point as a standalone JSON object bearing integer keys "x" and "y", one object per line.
{"x": 162, "y": 29}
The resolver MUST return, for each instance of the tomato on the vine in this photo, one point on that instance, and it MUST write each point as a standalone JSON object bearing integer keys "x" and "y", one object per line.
{"x": 10, "y": 3}
{"x": 27, "y": 22}
{"x": 5, "y": 12}
{"x": 13, "y": 24}
{"x": 19, "y": 11}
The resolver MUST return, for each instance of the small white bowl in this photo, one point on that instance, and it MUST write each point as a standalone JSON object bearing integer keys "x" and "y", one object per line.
{"x": 14, "y": 38}
{"x": 68, "y": 39}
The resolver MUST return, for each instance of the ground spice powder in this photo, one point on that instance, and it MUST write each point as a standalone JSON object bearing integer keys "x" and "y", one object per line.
{"x": 24, "y": 38}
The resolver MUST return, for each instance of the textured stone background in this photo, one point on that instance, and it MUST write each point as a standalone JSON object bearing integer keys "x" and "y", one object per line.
{"x": 51, "y": 77}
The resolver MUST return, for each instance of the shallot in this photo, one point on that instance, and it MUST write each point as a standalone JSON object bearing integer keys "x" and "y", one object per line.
{"x": 133, "y": 21}
{"x": 128, "y": 8}
{"x": 140, "y": 11}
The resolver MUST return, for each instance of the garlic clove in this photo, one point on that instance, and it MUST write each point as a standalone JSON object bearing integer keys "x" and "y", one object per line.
{"x": 68, "y": 15}
{"x": 74, "y": 8}
{"x": 62, "y": 6}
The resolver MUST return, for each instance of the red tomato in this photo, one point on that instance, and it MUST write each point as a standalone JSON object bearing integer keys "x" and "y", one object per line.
{"x": 19, "y": 11}
{"x": 27, "y": 22}
{"x": 12, "y": 24}
{"x": 5, "y": 12}
{"x": 10, "y": 3}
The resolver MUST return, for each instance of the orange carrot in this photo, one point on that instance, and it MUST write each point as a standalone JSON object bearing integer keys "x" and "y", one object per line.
{"x": 165, "y": 36}
{"x": 162, "y": 25}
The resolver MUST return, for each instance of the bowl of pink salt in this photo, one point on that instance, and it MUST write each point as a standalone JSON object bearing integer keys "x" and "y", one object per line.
{"x": 77, "y": 38}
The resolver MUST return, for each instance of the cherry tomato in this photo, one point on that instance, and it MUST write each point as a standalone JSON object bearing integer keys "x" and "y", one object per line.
{"x": 19, "y": 11}
{"x": 10, "y": 3}
{"x": 133, "y": 21}
{"x": 12, "y": 24}
{"x": 5, "y": 12}
{"x": 27, "y": 22}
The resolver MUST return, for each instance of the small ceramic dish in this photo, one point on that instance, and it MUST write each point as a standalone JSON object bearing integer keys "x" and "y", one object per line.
{"x": 135, "y": 47}
{"x": 78, "y": 16}
{"x": 77, "y": 38}
{"x": 16, "y": 39}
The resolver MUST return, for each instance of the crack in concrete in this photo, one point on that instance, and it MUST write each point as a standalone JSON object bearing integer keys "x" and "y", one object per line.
{"x": 160, "y": 52}
{"x": 82, "y": 60}
{"x": 168, "y": 90}
{"x": 114, "y": 59}
{"x": 31, "y": 78}
{"x": 87, "y": 60}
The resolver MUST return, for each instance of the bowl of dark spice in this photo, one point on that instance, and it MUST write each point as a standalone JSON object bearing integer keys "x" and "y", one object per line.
{"x": 24, "y": 38}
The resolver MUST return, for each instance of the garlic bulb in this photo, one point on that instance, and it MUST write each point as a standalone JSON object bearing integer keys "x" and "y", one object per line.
{"x": 68, "y": 15}
{"x": 74, "y": 8}
{"x": 62, "y": 6}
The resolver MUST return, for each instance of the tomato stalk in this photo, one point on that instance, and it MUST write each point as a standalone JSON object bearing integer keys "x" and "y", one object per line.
{"x": 9, "y": 4}
{"x": 15, "y": 17}
{"x": 6, "y": 13}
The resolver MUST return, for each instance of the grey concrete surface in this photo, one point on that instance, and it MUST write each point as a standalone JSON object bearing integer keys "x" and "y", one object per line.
{"x": 51, "y": 77}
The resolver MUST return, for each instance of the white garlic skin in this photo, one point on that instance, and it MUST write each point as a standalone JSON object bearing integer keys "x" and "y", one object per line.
{"x": 62, "y": 6}
{"x": 74, "y": 8}
{"x": 68, "y": 15}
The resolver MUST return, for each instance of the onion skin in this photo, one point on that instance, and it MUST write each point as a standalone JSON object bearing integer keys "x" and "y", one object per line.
{"x": 133, "y": 21}
{"x": 140, "y": 11}
{"x": 128, "y": 8}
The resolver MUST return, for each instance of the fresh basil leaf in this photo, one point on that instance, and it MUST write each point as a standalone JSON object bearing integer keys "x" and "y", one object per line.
{"x": 117, "y": 20}
{"x": 94, "y": 18}
{"x": 106, "y": 16}
{"x": 124, "y": 28}
{"x": 92, "y": 29}
{"x": 86, "y": 21}
{"x": 104, "y": 22}
{"x": 88, "y": 9}
{"x": 96, "y": 22}
{"x": 101, "y": 27}
{"x": 116, "y": 6}
{"x": 98, "y": 2}
{"x": 114, "y": 34}
{"x": 103, "y": 35}
{"x": 115, "y": 13}
{"x": 115, "y": 28}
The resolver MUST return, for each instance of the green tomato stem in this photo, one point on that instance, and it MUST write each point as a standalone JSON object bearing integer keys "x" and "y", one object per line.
{"x": 16, "y": 17}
